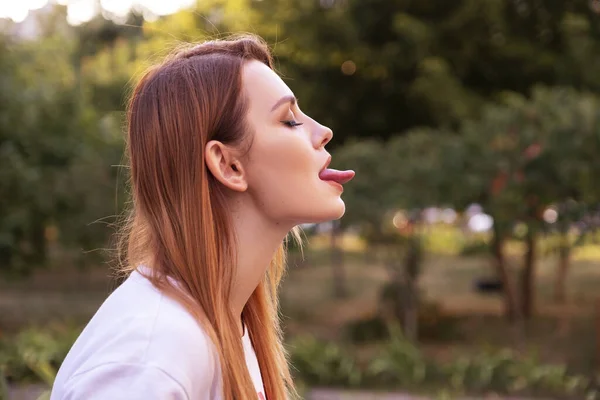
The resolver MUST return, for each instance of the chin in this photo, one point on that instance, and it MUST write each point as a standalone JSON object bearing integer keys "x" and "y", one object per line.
{"x": 332, "y": 212}
{"x": 341, "y": 211}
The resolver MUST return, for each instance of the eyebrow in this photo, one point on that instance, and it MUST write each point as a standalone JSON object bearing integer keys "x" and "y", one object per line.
{"x": 285, "y": 99}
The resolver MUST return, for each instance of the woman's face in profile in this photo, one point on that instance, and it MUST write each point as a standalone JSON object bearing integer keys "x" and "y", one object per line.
{"x": 287, "y": 154}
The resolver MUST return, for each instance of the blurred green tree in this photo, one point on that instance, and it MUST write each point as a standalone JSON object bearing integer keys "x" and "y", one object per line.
{"x": 520, "y": 158}
{"x": 377, "y": 68}
{"x": 56, "y": 155}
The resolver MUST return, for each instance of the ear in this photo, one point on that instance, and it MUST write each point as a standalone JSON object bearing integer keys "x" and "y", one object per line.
{"x": 222, "y": 162}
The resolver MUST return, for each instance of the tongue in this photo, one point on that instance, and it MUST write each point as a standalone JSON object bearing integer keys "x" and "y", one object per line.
{"x": 334, "y": 175}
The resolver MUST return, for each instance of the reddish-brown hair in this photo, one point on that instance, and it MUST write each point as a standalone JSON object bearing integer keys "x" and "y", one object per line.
{"x": 179, "y": 224}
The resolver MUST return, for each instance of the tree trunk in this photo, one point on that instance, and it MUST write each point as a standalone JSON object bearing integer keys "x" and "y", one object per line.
{"x": 564, "y": 261}
{"x": 412, "y": 265}
{"x": 511, "y": 310}
{"x": 411, "y": 311}
{"x": 38, "y": 239}
{"x": 597, "y": 332}
{"x": 4, "y": 394}
{"x": 528, "y": 276}
{"x": 340, "y": 289}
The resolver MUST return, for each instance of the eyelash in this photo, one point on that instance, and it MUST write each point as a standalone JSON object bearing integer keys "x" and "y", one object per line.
{"x": 292, "y": 123}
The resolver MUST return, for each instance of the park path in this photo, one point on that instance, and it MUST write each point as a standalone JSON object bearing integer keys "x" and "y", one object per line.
{"x": 327, "y": 394}
{"x": 32, "y": 392}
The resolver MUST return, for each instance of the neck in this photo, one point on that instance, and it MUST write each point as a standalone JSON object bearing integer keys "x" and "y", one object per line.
{"x": 257, "y": 241}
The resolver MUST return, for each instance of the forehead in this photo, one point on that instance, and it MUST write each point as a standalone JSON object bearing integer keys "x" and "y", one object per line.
{"x": 262, "y": 85}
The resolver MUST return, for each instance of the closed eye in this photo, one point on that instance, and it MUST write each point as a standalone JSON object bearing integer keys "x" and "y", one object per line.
{"x": 291, "y": 123}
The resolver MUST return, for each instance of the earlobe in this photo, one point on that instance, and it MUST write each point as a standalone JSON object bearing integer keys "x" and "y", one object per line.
{"x": 222, "y": 162}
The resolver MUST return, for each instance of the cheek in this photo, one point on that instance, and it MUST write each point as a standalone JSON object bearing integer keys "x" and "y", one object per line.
{"x": 281, "y": 171}
{"x": 284, "y": 157}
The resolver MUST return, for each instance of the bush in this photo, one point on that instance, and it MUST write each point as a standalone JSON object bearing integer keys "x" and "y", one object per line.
{"x": 433, "y": 323}
{"x": 324, "y": 363}
{"x": 36, "y": 354}
{"x": 398, "y": 364}
{"x": 370, "y": 329}
{"x": 475, "y": 248}
{"x": 505, "y": 372}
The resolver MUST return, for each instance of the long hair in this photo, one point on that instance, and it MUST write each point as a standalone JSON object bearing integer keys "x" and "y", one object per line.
{"x": 179, "y": 223}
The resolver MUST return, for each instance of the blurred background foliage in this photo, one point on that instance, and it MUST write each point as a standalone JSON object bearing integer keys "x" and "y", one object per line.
{"x": 468, "y": 259}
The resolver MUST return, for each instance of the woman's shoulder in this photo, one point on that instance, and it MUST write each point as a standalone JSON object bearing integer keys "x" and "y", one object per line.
{"x": 139, "y": 326}
{"x": 138, "y": 311}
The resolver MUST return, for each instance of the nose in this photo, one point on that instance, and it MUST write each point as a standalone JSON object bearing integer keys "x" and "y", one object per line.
{"x": 323, "y": 136}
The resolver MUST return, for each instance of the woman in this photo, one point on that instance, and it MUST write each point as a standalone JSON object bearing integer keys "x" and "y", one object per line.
{"x": 223, "y": 166}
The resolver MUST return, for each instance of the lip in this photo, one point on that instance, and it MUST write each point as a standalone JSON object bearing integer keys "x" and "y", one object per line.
{"x": 326, "y": 164}
{"x": 336, "y": 185}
